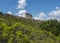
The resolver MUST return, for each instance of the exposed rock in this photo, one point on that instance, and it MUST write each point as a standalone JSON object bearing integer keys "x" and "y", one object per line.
{"x": 27, "y": 15}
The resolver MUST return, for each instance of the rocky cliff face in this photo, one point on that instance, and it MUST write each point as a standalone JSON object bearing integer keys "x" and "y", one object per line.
{"x": 27, "y": 15}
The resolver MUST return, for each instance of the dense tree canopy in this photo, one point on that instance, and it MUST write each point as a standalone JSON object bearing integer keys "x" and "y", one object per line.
{"x": 15, "y": 29}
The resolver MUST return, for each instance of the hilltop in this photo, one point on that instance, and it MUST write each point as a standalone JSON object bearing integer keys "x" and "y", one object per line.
{"x": 14, "y": 29}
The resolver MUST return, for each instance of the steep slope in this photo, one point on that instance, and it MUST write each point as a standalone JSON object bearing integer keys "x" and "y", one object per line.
{"x": 15, "y": 29}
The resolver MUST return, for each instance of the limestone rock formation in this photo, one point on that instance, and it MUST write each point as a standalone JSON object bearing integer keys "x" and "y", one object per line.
{"x": 28, "y": 15}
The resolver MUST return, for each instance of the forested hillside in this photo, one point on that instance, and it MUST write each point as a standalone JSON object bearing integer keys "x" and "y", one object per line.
{"x": 14, "y": 29}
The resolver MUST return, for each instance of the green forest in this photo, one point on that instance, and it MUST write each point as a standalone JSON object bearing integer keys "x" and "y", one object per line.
{"x": 14, "y": 29}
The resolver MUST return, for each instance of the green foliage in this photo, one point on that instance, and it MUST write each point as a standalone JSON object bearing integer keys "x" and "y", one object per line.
{"x": 15, "y": 29}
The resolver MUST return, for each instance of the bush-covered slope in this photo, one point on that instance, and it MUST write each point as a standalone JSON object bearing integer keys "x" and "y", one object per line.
{"x": 15, "y": 29}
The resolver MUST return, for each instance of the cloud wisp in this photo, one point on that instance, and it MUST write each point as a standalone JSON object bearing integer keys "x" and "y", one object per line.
{"x": 21, "y": 13}
{"x": 41, "y": 16}
{"x": 21, "y": 7}
{"x": 55, "y": 14}
{"x": 52, "y": 15}
{"x": 57, "y": 7}
{"x": 21, "y": 4}
{"x": 9, "y": 12}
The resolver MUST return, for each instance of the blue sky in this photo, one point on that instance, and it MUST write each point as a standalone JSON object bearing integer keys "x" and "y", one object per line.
{"x": 38, "y": 8}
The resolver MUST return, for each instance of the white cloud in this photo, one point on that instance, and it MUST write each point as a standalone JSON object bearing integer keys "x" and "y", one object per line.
{"x": 52, "y": 15}
{"x": 21, "y": 4}
{"x": 41, "y": 16}
{"x": 57, "y": 7}
{"x": 9, "y": 12}
{"x": 36, "y": 18}
{"x": 48, "y": 18}
{"x": 55, "y": 13}
{"x": 21, "y": 13}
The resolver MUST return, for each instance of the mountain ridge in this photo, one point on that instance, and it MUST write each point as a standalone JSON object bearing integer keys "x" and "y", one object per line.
{"x": 14, "y": 29}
